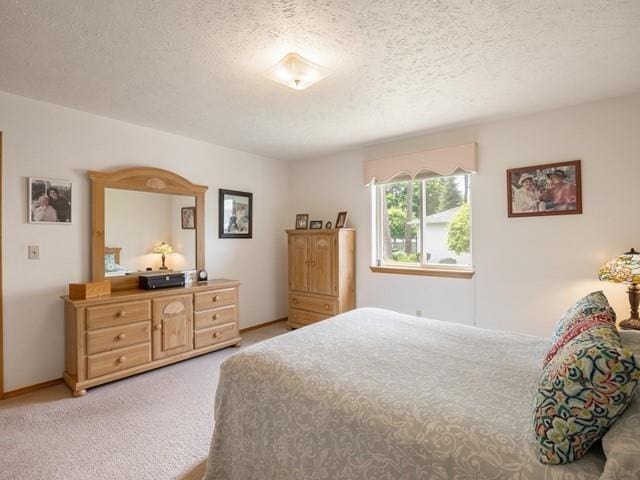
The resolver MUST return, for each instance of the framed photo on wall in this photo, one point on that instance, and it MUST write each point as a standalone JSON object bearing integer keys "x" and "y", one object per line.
{"x": 548, "y": 189}
{"x": 188, "y": 216}
{"x": 235, "y": 214}
{"x": 49, "y": 201}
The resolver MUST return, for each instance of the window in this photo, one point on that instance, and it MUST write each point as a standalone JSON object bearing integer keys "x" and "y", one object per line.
{"x": 423, "y": 224}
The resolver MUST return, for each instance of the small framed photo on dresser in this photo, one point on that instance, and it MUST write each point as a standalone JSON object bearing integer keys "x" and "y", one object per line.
{"x": 341, "y": 221}
{"x": 315, "y": 224}
{"x": 302, "y": 221}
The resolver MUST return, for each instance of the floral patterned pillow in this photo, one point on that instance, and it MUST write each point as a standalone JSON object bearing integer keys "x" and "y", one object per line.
{"x": 621, "y": 444}
{"x": 583, "y": 390}
{"x": 584, "y": 324}
{"x": 592, "y": 304}
{"x": 109, "y": 262}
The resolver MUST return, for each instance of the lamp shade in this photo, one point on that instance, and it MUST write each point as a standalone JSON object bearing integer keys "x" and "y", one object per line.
{"x": 624, "y": 268}
{"x": 163, "y": 248}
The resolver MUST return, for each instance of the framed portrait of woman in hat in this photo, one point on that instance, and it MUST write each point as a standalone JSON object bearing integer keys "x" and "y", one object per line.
{"x": 549, "y": 189}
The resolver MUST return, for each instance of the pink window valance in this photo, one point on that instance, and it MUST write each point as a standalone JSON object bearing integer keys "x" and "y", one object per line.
{"x": 428, "y": 163}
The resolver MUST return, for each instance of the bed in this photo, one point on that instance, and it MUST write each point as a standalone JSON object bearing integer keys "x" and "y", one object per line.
{"x": 373, "y": 394}
{"x": 112, "y": 267}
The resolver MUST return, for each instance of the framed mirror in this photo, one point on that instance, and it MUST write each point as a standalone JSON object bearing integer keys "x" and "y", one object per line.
{"x": 145, "y": 219}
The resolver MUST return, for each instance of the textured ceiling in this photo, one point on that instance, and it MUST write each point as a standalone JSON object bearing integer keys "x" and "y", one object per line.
{"x": 195, "y": 67}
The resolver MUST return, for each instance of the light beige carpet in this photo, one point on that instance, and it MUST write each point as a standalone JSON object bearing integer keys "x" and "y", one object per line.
{"x": 156, "y": 425}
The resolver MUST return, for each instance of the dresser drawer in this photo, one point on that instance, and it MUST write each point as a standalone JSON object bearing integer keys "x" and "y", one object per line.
{"x": 300, "y": 317}
{"x": 212, "y": 318}
{"x": 108, "y": 339}
{"x": 118, "y": 314}
{"x": 214, "y": 298}
{"x": 327, "y": 306}
{"x": 211, "y": 336}
{"x": 121, "y": 359}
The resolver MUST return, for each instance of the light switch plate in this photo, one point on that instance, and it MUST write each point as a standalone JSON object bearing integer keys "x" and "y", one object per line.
{"x": 34, "y": 252}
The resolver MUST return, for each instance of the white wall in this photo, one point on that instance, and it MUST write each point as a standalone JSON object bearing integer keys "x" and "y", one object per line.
{"x": 528, "y": 270}
{"x": 138, "y": 221}
{"x": 183, "y": 240}
{"x": 45, "y": 140}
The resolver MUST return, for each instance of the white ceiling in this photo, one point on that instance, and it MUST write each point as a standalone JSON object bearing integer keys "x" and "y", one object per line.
{"x": 194, "y": 67}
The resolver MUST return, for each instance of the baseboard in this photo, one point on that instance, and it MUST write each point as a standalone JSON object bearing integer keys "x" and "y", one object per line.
{"x": 57, "y": 381}
{"x": 261, "y": 325}
{"x": 32, "y": 388}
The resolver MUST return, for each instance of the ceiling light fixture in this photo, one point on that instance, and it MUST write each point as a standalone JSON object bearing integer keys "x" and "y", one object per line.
{"x": 297, "y": 72}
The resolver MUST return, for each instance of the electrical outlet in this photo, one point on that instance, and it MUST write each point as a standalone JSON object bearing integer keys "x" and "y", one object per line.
{"x": 34, "y": 252}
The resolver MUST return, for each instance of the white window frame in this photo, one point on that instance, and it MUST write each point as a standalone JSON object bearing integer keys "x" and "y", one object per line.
{"x": 422, "y": 268}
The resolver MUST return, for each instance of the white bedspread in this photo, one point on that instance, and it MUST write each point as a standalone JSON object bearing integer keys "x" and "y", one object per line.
{"x": 376, "y": 395}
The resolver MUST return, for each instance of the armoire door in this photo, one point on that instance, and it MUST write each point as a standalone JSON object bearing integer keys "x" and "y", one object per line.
{"x": 298, "y": 263}
{"x": 322, "y": 270}
{"x": 172, "y": 326}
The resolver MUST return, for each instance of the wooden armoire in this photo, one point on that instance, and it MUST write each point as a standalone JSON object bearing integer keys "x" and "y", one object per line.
{"x": 321, "y": 274}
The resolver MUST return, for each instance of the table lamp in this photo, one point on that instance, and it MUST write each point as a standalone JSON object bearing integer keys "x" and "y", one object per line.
{"x": 625, "y": 268}
{"x": 163, "y": 249}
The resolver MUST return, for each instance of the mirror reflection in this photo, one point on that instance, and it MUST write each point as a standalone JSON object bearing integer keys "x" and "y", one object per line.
{"x": 147, "y": 231}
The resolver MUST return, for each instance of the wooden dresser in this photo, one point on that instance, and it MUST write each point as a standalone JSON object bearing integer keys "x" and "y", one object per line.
{"x": 132, "y": 331}
{"x": 321, "y": 274}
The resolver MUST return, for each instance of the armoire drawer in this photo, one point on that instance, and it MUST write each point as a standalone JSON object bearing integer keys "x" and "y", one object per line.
{"x": 327, "y": 306}
{"x": 214, "y": 317}
{"x": 211, "y": 336}
{"x": 121, "y": 359}
{"x": 214, "y": 299}
{"x": 118, "y": 314}
{"x": 300, "y": 317}
{"x": 111, "y": 338}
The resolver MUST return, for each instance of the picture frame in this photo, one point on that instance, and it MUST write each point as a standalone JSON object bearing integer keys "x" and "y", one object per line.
{"x": 235, "y": 214}
{"x": 315, "y": 224}
{"x": 341, "y": 221}
{"x": 546, "y": 189}
{"x": 50, "y": 201}
{"x": 188, "y": 218}
{"x": 302, "y": 221}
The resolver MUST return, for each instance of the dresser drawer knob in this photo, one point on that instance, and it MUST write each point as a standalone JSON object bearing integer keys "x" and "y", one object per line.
{"x": 326, "y": 306}
{"x": 122, "y": 336}
{"x": 122, "y": 359}
{"x": 216, "y": 298}
{"x": 158, "y": 327}
{"x": 216, "y": 335}
{"x": 121, "y": 314}
{"x": 216, "y": 316}
{"x": 294, "y": 301}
